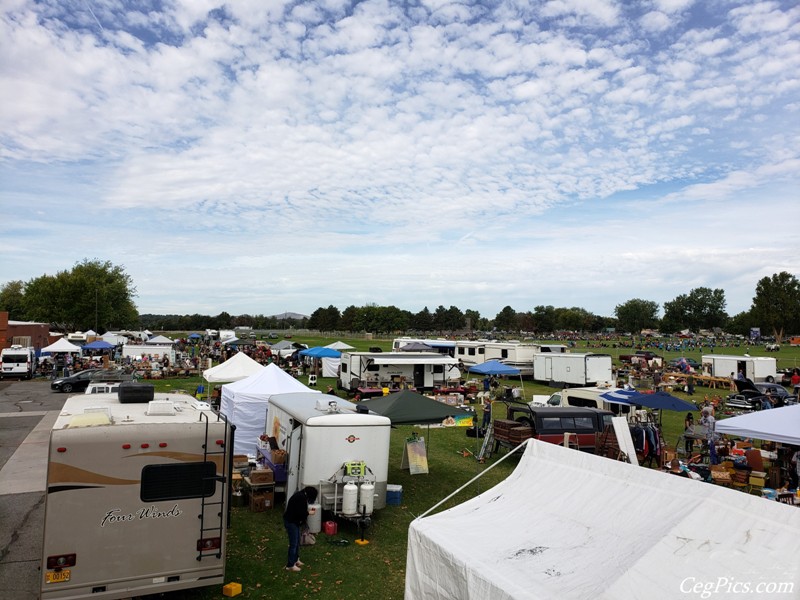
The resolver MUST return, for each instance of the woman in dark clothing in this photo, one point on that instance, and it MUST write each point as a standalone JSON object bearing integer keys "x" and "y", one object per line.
{"x": 293, "y": 519}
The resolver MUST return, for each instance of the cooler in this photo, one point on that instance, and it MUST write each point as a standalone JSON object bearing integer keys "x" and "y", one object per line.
{"x": 394, "y": 494}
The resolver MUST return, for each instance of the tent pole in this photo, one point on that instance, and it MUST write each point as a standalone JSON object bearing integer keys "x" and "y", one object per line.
{"x": 478, "y": 476}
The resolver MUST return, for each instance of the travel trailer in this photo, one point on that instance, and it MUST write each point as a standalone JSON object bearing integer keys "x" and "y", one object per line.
{"x": 754, "y": 368}
{"x": 333, "y": 446}
{"x": 375, "y": 370}
{"x": 17, "y": 361}
{"x": 437, "y": 345}
{"x": 514, "y": 354}
{"x": 136, "y": 496}
{"x": 573, "y": 369}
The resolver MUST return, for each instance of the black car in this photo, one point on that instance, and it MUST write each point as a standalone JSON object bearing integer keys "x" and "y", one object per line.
{"x": 74, "y": 383}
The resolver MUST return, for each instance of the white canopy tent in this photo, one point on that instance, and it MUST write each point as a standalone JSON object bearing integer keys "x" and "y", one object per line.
{"x": 776, "y": 425}
{"x": 245, "y": 403}
{"x": 572, "y": 525}
{"x": 62, "y": 345}
{"x": 237, "y": 367}
{"x": 160, "y": 340}
{"x": 341, "y": 346}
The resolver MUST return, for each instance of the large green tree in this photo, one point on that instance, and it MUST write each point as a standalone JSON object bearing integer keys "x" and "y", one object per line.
{"x": 506, "y": 320}
{"x": 776, "y": 305}
{"x": 702, "y": 308}
{"x": 93, "y": 295}
{"x": 12, "y": 300}
{"x": 636, "y": 314}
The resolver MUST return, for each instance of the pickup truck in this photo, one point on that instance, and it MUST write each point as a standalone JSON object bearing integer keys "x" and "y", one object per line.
{"x": 549, "y": 424}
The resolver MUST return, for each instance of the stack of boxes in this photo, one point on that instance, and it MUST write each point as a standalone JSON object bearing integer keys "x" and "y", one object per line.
{"x": 262, "y": 489}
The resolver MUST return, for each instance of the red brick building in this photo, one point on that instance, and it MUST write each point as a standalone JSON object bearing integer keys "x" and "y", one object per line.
{"x": 23, "y": 333}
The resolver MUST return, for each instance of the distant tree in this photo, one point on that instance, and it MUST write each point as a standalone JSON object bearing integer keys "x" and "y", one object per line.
{"x": 506, "y": 320}
{"x": 573, "y": 319}
{"x": 440, "y": 321}
{"x": 12, "y": 300}
{"x": 636, "y": 314}
{"x": 394, "y": 319}
{"x": 349, "y": 318}
{"x": 776, "y": 305}
{"x": 422, "y": 321}
{"x": 325, "y": 319}
{"x": 740, "y": 323}
{"x": 472, "y": 318}
{"x": 544, "y": 319}
{"x": 93, "y": 295}
{"x": 702, "y": 308}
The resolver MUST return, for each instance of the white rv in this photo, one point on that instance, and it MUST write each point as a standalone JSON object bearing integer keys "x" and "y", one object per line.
{"x": 470, "y": 352}
{"x": 589, "y": 397}
{"x": 573, "y": 369}
{"x": 17, "y": 361}
{"x": 421, "y": 370}
{"x": 332, "y": 446}
{"x": 441, "y": 346}
{"x": 755, "y": 368}
{"x": 136, "y": 496}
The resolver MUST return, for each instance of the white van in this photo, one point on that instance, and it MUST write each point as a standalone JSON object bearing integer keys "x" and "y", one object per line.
{"x": 17, "y": 361}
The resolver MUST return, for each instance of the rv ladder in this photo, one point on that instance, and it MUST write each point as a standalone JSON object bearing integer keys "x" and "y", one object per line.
{"x": 488, "y": 442}
{"x": 214, "y": 523}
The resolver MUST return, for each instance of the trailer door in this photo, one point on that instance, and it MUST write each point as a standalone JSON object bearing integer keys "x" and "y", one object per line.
{"x": 293, "y": 450}
{"x": 548, "y": 368}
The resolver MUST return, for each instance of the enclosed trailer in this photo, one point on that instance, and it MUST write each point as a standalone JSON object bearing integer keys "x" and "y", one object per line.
{"x": 421, "y": 370}
{"x": 136, "y": 497}
{"x": 332, "y": 446}
{"x": 573, "y": 369}
{"x": 754, "y": 368}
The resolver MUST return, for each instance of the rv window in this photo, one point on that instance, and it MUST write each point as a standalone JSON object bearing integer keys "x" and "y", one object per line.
{"x": 461, "y": 350}
{"x": 504, "y": 353}
{"x": 373, "y": 367}
{"x": 472, "y": 351}
{"x": 481, "y": 350}
{"x": 344, "y": 367}
{"x": 584, "y": 402}
{"x": 551, "y": 423}
{"x": 161, "y": 483}
{"x": 545, "y": 349}
{"x": 438, "y": 368}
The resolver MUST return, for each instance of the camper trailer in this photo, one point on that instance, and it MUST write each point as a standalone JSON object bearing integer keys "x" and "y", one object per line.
{"x": 573, "y": 369}
{"x": 136, "y": 496}
{"x": 17, "y": 361}
{"x": 470, "y": 352}
{"x": 360, "y": 371}
{"x": 437, "y": 345}
{"x": 754, "y": 368}
{"x": 520, "y": 356}
{"x": 332, "y": 446}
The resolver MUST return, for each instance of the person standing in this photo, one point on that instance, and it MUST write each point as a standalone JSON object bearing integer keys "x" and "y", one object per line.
{"x": 690, "y": 384}
{"x": 294, "y": 518}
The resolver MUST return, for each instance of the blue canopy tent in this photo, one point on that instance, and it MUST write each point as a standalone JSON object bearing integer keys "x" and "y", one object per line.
{"x": 661, "y": 401}
{"x": 98, "y": 345}
{"x": 495, "y": 367}
{"x": 320, "y": 352}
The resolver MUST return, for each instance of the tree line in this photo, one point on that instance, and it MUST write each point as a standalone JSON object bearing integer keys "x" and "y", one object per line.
{"x": 98, "y": 295}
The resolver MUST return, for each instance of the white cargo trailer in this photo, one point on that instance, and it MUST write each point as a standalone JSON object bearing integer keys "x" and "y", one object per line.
{"x": 754, "y": 368}
{"x": 421, "y": 370}
{"x": 332, "y": 446}
{"x": 569, "y": 369}
{"x": 136, "y": 496}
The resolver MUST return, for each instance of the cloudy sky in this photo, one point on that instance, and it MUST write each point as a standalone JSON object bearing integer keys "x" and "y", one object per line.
{"x": 262, "y": 156}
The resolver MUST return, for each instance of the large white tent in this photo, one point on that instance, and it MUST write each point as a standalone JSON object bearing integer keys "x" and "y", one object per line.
{"x": 61, "y": 345}
{"x": 571, "y": 525}
{"x": 237, "y": 367}
{"x": 776, "y": 425}
{"x": 341, "y": 346}
{"x": 245, "y": 403}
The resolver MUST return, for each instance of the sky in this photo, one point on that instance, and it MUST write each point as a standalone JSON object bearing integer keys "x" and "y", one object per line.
{"x": 263, "y": 156}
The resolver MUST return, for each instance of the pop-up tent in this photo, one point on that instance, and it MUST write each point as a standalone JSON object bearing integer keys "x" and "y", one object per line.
{"x": 61, "y": 345}
{"x": 98, "y": 345}
{"x": 409, "y": 407}
{"x": 339, "y": 346}
{"x": 776, "y": 425}
{"x": 237, "y": 367}
{"x": 571, "y": 525}
{"x": 245, "y": 403}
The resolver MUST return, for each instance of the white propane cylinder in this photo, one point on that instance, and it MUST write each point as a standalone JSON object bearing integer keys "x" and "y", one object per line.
{"x": 314, "y": 519}
{"x": 366, "y": 498}
{"x": 350, "y": 499}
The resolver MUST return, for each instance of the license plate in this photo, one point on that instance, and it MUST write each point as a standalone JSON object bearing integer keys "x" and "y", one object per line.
{"x": 57, "y": 576}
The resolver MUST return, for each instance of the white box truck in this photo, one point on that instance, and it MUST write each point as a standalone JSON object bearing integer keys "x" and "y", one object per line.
{"x": 332, "y": 446}
{"x": 569, "y": 369}
{"x": 754, "y": 368}
{"x": 136, "y": 496}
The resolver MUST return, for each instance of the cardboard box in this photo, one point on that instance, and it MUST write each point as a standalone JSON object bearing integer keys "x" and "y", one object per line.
{"x": 232, "y": 589}
{"x": 261, "y": 501}
{"x": 240, "y": 461}
{"x": 278, "y": 457}
{"x": 261, "y": 475}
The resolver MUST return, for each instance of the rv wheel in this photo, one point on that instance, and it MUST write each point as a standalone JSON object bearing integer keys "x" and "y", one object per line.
{"x": 770, "y": 379}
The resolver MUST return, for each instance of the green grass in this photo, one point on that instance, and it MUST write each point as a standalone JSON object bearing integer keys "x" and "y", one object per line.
{"x": 257, "y": 542}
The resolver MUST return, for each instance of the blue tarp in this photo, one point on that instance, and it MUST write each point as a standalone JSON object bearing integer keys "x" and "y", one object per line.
{"x": 194, "y": 336}
{"x": 320, "y": 352}
{"x": 98, "y": 345}
{"x": 493, "y": 367}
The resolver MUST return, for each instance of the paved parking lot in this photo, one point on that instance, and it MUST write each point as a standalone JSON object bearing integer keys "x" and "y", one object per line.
{"x": 27, "y": 411}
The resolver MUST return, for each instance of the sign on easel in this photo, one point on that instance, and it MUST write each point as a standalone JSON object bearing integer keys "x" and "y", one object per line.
{"x": 415, "y": 457}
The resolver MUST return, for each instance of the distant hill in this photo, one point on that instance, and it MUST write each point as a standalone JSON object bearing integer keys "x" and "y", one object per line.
{"x": 290, "y": 315}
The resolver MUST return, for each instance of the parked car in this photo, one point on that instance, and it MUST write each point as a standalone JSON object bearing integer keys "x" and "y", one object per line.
{"x": 751, "y": 396}
{"x": 675, "y": 362}
{"x": 74, "y": 383}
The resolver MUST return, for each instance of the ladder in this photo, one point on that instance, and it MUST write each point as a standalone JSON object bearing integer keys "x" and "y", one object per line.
{"x": 488, "y": 442}
{"x": 215, "y": 523}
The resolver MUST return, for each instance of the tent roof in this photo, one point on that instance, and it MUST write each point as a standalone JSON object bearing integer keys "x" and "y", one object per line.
{"x": 269, "y": 380}
{"x": 408, "y": 407}
{"x": 494, "y": 367}
{"x": 237, "y": 367}
{"x": 661, "y": 530}
{"x": 98, "y": 345}
{"x": 340, "y": 346}
{"x": 320, "y": 352}
{"x": 160, "y": 339}
{"x": 416, "y": 347}
{"x": 194, "y": 336}
{"x": 660, "y": 400}
{"x": 61, "y": 345}
{"x": 776, "y": 425}
{"x": 283, "y": 344}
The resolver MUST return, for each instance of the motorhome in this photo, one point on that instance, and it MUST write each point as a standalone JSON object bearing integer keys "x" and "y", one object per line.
{"x": 333, "y": 446}
{"x": 17, "y": 361}
{"x": 136, "y": 496}
{"x": 374, "y": 370}
{"x": 514, "y": 354}
{"x": 441, "y": 346}
{"x": 611, "y": 399}
{"x": 754, "y": 368}
{"x": 580, "y": 369}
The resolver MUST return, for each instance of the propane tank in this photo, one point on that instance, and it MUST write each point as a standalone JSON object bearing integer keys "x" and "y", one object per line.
{"x": 314, "y": 519}
{"x": 350, "y": 499}
{"x": 366, "y": 498}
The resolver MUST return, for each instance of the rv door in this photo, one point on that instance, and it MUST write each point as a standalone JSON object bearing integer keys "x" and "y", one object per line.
{"x": 293, "y": 450}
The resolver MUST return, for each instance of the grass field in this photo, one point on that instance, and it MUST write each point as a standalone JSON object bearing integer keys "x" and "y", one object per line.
{"x": 257, "y": 542}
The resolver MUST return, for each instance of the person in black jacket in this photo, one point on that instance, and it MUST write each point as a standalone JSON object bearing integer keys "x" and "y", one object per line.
{"x": 294, "y": 517}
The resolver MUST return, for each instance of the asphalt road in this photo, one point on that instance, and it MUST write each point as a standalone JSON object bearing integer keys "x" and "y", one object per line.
{"x": 27, "y": 411}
